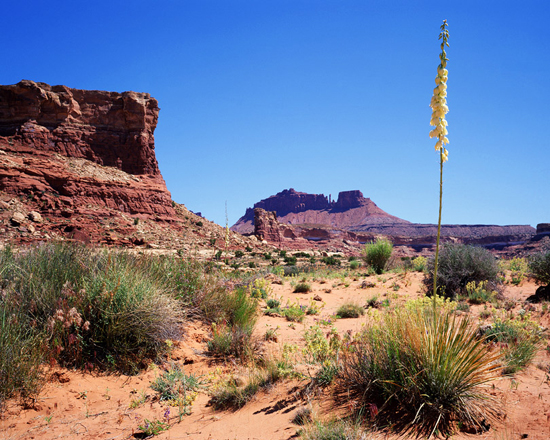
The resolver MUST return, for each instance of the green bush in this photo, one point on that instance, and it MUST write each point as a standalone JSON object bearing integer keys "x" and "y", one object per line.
{"x": 290, "y": 260}
{"x": 460, "y": 264}
{"x": 422, "y": 370}
{"x": 174, "y": 384}
{"x": 331, "y": 261}
{"x": 273, "y": 303}
{"x": 350, "y": 310}
{"x": 519, "y": 339}
{"x": 377, "y": 254}
{"x": 354, "y": 265}
{"x": 302, "y": 288}
{"x": 232, "y": 335}
{"x": 419, "y": 264}
{"x": 477, "y": 293}
{"x": 539, "y": 264}
{"x": 294, "y": 313}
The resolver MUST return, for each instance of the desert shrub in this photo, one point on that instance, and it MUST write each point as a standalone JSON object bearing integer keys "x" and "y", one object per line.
{"x": 233, "y": 394}
{"x": 302, "y": 416}
{"x": 331, "y": 261}
{"x": 239, "y": 254}
{"x": 273, "y": 303}
{"x": 539, "y": 264}
{"x": 519, "y": 340}
{"x": 459, "y": 265}
{"x": 327, "y": 373}
{"x": 320, "y": 347}
{"x": 21, "y": 355}
{"x": 377, "y": 254}
{"x": 419, "y": 264}
{"x": 294, "y": 313}
{"x": 290, "y": 260}
{"x": 177, "y": 388}
{"x": 314, "y": 307}
{"x": 200, "y": 291}
{"x": 109, "y": 308}
{"x": 350, "y": 310}
{"x": 302, "y": 288}
{"x": 421, "y": 371}
{"x": 232, "y": 335}
{"x": 259, "y": 288}
{"x": 354, "y": 265}
{"x": 477, "y": 293}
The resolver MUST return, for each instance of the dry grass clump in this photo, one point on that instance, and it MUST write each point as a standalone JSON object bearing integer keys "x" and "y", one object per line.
{"x": 232, "y": 335}
{"x": 421, "y": 371}
{"x": 92, "y": 307}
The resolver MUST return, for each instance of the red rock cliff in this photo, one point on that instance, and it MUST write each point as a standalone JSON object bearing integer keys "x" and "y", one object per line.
{"x": 75, "y": 149}
{"x": 111, "y": 129}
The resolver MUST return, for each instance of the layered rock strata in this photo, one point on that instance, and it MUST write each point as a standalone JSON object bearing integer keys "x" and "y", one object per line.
{"x": 293, "y": 207}
{"x": 71, "y": 148}
{"x": 354, "y": 219}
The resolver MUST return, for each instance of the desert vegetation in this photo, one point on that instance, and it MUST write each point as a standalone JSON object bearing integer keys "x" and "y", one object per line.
{"x": 409, "y": 367}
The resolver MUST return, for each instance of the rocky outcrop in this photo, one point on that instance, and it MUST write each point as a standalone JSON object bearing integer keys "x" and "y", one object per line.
{"x": 292, "y": 207}
{"x": 353, "y": 220}
{"x": 73, "y": 149}
{"x": 108, "y": 128}
{"x": 80, "y": 165}
{"x": 543, "y": 230}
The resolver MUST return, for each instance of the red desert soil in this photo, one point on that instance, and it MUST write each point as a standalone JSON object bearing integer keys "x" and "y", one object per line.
{"x": 74, "y": 404}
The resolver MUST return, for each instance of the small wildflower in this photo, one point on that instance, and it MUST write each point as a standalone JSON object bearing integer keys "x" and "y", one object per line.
{"x": 59, "y": 315}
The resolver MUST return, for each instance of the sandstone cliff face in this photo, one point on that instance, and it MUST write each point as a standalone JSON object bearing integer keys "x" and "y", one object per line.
{"x": 80, "y": 165}
{"x": 111, "y": 129}
{"x": 292, "y": 207}
{"x": 72, "y": 149}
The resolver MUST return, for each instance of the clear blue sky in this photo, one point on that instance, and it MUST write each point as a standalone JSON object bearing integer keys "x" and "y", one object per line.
{"x": 322, "y": 96}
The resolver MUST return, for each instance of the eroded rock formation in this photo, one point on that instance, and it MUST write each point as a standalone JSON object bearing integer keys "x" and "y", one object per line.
{"x": 351, "y": 209}
{"x": 52, "y": 138}
{"x": 316, "y": 221}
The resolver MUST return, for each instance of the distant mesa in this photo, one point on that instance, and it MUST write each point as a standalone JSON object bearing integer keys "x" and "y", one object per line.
{"x": 291, "y": 219}
{"x": 350, "y": 211}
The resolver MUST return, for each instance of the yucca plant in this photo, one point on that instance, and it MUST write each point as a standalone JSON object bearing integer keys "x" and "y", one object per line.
{"x": 421, "y": 371}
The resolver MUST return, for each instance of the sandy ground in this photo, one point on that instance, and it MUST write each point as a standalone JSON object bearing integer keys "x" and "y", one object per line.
{"x": 100, "y": 406}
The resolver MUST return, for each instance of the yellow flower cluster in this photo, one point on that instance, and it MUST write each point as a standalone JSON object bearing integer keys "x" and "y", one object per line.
{"x": 439, "y": 101}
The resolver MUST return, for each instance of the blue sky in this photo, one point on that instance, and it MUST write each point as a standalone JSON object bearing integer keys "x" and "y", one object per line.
{"x": 323, "y": 96}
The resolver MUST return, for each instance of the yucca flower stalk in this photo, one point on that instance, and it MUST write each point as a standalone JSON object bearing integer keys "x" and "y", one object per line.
{"x": 439, "y": 110}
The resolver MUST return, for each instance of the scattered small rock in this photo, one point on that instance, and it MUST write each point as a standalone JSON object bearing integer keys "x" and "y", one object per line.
{"x": 17, "y": 218}
{"x": 317, "y": 298}
{"x": 367, "y": 284}
{"x": 35, "y": 217}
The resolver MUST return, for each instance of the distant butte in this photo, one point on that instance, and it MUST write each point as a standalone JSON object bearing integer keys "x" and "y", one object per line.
{"x": 350, "y": 211}
{"x": 293, "y": 219}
